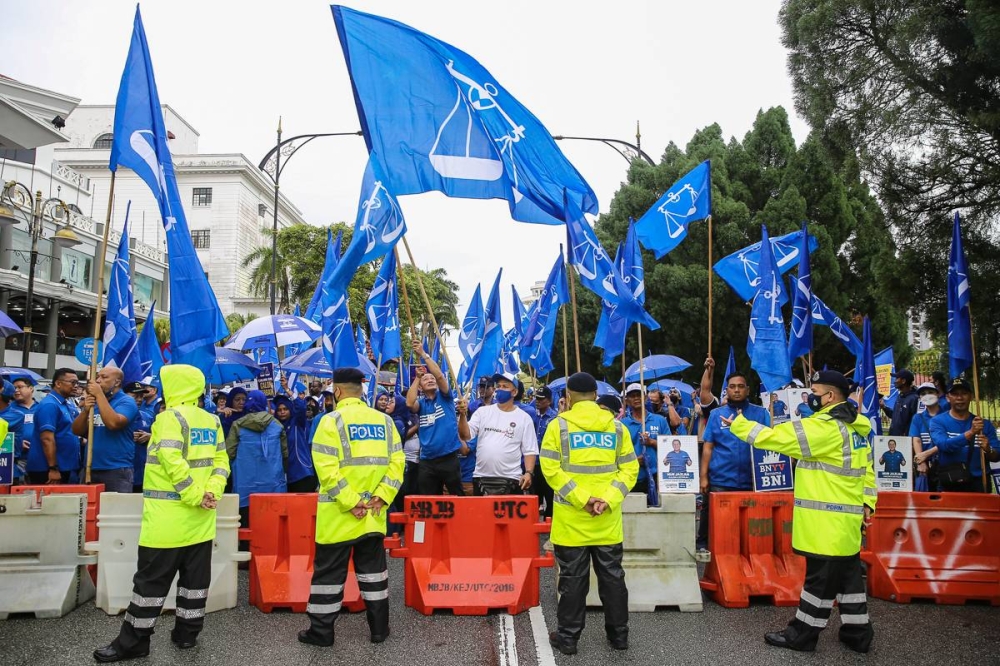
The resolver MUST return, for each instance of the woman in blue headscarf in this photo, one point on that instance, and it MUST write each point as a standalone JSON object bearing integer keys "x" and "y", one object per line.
{"x": 258, "y": 449}
{"x": 235, "y": 404}
{"x": 292, "y": 416}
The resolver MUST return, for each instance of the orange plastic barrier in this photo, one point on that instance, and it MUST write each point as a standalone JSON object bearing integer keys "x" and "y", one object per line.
{"x": 750, "y": 540}
{"x": 282, "y": 540}
{"x": 470, "y": 554}
{"x": 4, "y": 490}
{"x": 939, "y": 547}
{"x": 92, "y": 492}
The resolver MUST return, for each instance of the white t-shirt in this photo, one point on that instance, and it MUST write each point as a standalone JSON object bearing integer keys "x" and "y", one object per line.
{"x": 504, "y": 437}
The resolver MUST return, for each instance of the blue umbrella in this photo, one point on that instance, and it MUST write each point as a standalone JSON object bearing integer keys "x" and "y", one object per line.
{"x": 656, "y": 366}
{"x": 10, "y": 374}
{"x": 603, "y": 388}
{"x": 685, "y": 389}
{"x": 274, "y": 331}
{"x": 313, "y": 362}
{"x": 7, "y": 326}
{"x": 232, "y": 366}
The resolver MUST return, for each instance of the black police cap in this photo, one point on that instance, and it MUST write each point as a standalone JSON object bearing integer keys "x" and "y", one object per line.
{"x": 348, "y": 376}
{"x": 581, "y": 382}
{"x": 832, "y": 378}
{"x": 959, "y": 384}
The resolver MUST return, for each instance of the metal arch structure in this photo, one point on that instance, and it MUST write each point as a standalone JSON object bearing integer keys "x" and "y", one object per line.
{"x": 629, "y": 151}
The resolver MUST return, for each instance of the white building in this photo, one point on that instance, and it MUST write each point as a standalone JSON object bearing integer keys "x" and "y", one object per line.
{"x": 226, "y": 198}
{"x": 916, "y": 331}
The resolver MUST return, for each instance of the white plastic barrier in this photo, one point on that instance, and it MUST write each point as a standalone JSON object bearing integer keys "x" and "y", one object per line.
{"x": 659, "y": 560}
{"x": 42, "y": 566}
{"x": 118, "y": 526}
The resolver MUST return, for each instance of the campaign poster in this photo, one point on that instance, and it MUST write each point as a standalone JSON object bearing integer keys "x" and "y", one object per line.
{"x": 7, "y": 460}
{"x": 893, "y": 464}
{"x": 265, "y": 380}
{"x": 796, "y": 399}
{"x": 678, "y": 463}
{"x": 771, "y": 471}
{"x": 776, "y": 403}
{"x": 995, "y": 473}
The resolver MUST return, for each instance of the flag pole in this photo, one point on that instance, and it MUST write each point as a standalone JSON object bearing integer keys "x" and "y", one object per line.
{"x": 642, "y": 379}
{"x": 709, "y": 286}
{"x": 979, "y": 405}
{"x": 102, "y": 255}
{"x": 565, "y": 328}
{"x": 430, "y": 312}
{"x": 576, "y": 327}
{"x": 406, "y": 298}
{"x": 805, "y": 370}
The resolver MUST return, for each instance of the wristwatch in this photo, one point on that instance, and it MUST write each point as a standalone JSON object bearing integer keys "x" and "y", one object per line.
{"x": 53, "y": 468}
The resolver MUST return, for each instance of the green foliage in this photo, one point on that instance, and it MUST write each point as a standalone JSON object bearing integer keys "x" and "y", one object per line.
{"x": 763, "y": 179}
{"x": 236, "y": 320}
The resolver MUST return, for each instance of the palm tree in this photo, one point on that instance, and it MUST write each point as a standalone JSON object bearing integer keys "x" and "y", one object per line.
{"x": 259, "y": 263}
{"x": 235, "y": 320}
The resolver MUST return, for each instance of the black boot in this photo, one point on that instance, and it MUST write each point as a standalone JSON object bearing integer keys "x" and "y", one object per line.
{"x": 109, "y": 653}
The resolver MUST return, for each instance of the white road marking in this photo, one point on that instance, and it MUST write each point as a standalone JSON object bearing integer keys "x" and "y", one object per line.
{"x": 541, "y": 635}
{"x": 507, "y": 642}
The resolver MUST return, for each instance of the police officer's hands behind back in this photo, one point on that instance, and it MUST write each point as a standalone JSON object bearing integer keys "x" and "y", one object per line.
{"x": 359, "y": 510}
{"x": 209, "y": 502}
{"x": 595, "y": 506}
{"x": 374, "y": 505}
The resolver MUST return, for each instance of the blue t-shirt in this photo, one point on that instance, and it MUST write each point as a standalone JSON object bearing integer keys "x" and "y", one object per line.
{"x": 27, "y": 427}
{"x": 115, "y": 449}
{"x": 54, "y": 414}
{"x": 780, "y": 408}
{"x": 677, "y": 462}
{"x": 805, "y": 410}
{"x": 655, "y": 425}
{"x": 948, "y": 434}
{"x": 920, "y": 427}
{"x": 438, "y": 431}
{"x": 893, "y": 461}
{"x": 731, "y": 465}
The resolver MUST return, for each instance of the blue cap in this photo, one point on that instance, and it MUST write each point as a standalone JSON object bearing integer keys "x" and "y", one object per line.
{"x": 8, "y": 390}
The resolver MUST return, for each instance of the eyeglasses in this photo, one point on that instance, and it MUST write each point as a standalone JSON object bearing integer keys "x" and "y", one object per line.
{"x": 66, "y": 381}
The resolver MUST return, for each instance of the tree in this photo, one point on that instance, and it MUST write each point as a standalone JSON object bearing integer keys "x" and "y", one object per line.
{"x": 235, "y": 320}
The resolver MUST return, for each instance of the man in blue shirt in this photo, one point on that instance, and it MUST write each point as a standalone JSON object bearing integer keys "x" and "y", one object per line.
{"x": 905, "y": 406}
{"x": 804, "y": 410}
{"x": 113, "y": 412}
{"x": 778, "y": 405}
{"x": 430, "y": 397}
{"x": 727, "y": 462}
{"x": 54, "y": 456}
{"x": 643, "y": 439}
{"x": 13, "y": 418}
{"x": 545, "y": 411}
{"x": 142, "y": 428}
{"x": 677, "y": 461}
{"x": 24, "y": 404}
{"x": 892, "y": 459}
{"x": 960, "y": 435}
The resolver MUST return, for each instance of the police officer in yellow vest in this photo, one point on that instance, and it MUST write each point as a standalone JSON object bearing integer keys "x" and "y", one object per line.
{"x": 359, "y": 460}
{"x": 588, "y": 459}
{"x": 834, "y": 496}
{"x": 185, "y": 474}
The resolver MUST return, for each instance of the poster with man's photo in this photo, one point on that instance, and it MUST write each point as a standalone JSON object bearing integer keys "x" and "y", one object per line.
{"x": 893, "y": 464}
{"x": 678, "y": 463}
{"x": 798, "y": 407}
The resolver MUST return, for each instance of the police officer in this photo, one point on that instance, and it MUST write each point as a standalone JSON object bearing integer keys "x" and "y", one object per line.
{"x": 588, "y": 459}
{"x": 359, "y": 459}
{"x": 185, "y": 474}
{"x": 834, "y": 496}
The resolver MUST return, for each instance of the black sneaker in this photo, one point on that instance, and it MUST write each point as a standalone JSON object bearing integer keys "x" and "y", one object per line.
{"x": 109, "y": 654}
{"x": 306, "y": 636}
{"x": 380, "y": 638}
{"x": 563, "y": 646}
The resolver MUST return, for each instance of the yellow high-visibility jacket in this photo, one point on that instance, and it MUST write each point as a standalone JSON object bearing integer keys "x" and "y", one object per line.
{"x": 358, "y": 454}
{"x": 586, "y": 453}
{"x": 187, "y": 458}
{"x": 834, "y": 479}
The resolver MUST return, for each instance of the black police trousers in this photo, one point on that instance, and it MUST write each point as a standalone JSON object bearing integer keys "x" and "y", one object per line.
{"x": 574, "y": 584}
{"x": 829, "y": 580}
{"x": 326, "y": 594}
{"x": 152, "y": 581}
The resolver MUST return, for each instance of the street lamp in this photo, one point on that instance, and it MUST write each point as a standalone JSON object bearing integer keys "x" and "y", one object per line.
{"x": 17, "y": 197}
{"x": 630, "y": 151}
{"x": 272, "y": 166}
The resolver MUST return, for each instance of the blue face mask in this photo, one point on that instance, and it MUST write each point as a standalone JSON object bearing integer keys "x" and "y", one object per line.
{"x": 501, "y": 396}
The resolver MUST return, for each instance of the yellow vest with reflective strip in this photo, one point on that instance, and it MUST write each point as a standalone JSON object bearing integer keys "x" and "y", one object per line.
{"x": 358, "y": 454}
{"x": 186, "y": 458}
{"x": 834, "y": 478}
{"x": 586, "y": 453}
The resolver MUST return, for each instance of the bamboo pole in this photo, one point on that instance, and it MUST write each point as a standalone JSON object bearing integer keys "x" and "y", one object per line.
{"x": 576, "y": 327}
{"x": 406, "y": 298}
{"x": 975, "y": 388}
{"x": 101, "y": 256}
{"x": 430, "y": 312}
{"x": 565, "y": 344}
{"x": 709, "y": 286}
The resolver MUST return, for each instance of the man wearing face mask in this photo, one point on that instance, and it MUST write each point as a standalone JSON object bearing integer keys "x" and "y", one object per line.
{"x": 114, "y": 421}
{"x": 726, "y": 461}
{"x": 505, "y": 434}
{"x": 834, "y": 497}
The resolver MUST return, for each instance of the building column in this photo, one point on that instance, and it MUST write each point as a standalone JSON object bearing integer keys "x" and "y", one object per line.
{"x": 6, "y": 242}
{"x": 52, "y": 336}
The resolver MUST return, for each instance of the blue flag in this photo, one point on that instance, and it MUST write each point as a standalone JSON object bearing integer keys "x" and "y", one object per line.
{"x": 664, "y": 226}
{"x": 491, "y": 348}
{"x": 766, "y": 343}
{"x": 338, "y": 334}
{"x": 266, "y": 355}
{"x": 295, "y": 348}
{"x": 959, "y": 317}
{"x": 539, "y": 331}
{"x": 730, "y": 369}
{"x": 150, "y": 357}
{"x": 869, "y": 381}
{"x": 824, "y": 316}
{"x": 598, "y": 272}
{"x": 360, "y": 341}
{"x": 383, "y": 312}
{"x": 140, "y": 143}
{"x": 520, "y": 315}
{"x": 314, "y": 311}
{"x": 800, "y": 339}
{"x": 740, "y": 269}
{"x": 377, "y": 228}
{"x": 611, "y": 327}
{"x": 472, "y": 327}
{"x": 508, "y": 357}
{"x": 439, "y": 121}
{"x": 121, "y": 341}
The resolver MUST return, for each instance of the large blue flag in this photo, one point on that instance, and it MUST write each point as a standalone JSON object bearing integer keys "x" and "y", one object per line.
{"x": 611, "y": 327}
{"x": 491, "y": 348}
{"x": 377, "y": 228}
{"x": 959, "y": 317}
{"x": 664, "y": 226}
{"x": 438, "y": 120}
{"x": 314, "y": 311}
{"x": 121, "y": 341}
{"x": 766, "y": 343}
{"x": 800, "y": 338}
{"x": 508, "y": 357}
{"x": 539, "y": 331}
{"x": 150, "y": 356}
{"x": 824, "y": 316}
{"x": 598, "y": 272}
{"x": 473, "y": 326}
{"x": 339, "y": 346}
{"x": 869, "y": 380}
{"x": 520, "y": 315}
{"x": 740, "y": 269}
{"x": 140, "y": 143}
{"x": 296, "y": 347}
{"x": 383, "y": 312}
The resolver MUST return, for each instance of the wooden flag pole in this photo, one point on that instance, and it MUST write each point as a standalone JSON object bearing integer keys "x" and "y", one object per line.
{"x": 709, "y": 286}
{"x": 406, "y": 297}
{"x": 805, "y": 371}
{"x": 101, "y": 256}
{"x": 975, "y": 388}
{"x": 565, "y": 344}
{"x": 642, "y": 380}
{"x": 576, "y": 327}
{"x": 430, "y": 312}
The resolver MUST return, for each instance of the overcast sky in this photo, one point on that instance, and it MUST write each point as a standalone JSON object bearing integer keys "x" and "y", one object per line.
{"x": 584, "y": 68}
